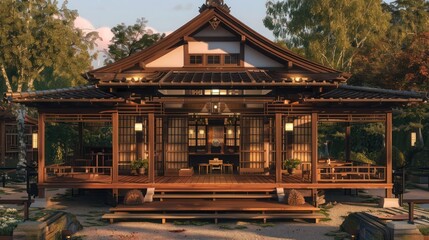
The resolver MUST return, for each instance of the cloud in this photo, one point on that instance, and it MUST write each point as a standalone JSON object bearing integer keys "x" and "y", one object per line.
{"x": 103, "y": 32}
{"x": 183, "y": 7}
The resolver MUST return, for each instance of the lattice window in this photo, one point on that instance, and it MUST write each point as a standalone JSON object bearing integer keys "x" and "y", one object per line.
{"x": 297, "y": 143}
{"x": 128, "y": 141}
{"x": 252, "y": 139}
{"x": 177, "y": 143}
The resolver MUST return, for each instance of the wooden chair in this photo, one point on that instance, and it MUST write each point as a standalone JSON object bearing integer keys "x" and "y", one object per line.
{"x": 216, "y": 164}
{"x": 306, "y": 170}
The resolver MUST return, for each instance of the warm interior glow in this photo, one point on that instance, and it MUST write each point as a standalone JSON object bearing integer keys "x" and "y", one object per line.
{"x": 201, "y": 131}
{"x": 138, "y": 126}
{"x": 35, "y": 139}
{"x": 191, "y": 131}
{"x": 289, "y": 127}
{"x": 413, "y": 139}
{"x": 215, "y": 91}
{"x": 230, "y": 132}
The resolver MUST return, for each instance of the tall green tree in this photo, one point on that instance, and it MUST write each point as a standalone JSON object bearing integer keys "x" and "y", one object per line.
{"x": 329, "y": 31}
{"x": 130, "y": 39}
{"x": 36, "y": 35}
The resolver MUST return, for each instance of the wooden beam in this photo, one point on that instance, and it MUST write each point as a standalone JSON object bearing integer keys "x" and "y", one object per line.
{"x": 366, "y": 100}
{"x": 389, "y": 164}
{"x": 151, "y": 137}
{"x": 211, "y": 39}
{"x": 348, "y": 142}
{"x": 314, "y": 153}
{"x": 2, "y": 143}
{"x": 279, "y": 142}
{"x": 41, "y": 153}
{"x": 115, "y": 147}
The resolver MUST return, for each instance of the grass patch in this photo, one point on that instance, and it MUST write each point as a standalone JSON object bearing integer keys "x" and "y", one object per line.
{"x": 94, "y": 224}
{"x": 265, "y": 225}
{"x": 190, "y": 223}
{"x": 3, "y": 192}
{"x": 424, "y": 230}
{"x": 325, "y": 211}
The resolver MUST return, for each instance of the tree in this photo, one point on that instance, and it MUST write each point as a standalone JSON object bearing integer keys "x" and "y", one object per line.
{"x": 330, "y": 31}
{"x": 37, "y": 35}
{"x": 400, "y": 59}
{"x": 130, "y": 39}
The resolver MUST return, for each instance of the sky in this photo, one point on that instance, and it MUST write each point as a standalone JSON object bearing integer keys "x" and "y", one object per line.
{"x": 163, "y": 16}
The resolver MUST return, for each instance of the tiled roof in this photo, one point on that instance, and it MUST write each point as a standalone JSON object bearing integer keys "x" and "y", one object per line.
{"x": 81, "y": 93}
{"x": 224, "y": 78}
{"x": 346, "y": 93}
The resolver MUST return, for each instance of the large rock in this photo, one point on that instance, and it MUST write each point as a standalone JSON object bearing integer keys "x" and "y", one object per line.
{"x": 134, "y": 197}
{"x": 295, "y": 198}
{"x": 404, "y": 231}
{"x": 51, "y": 226}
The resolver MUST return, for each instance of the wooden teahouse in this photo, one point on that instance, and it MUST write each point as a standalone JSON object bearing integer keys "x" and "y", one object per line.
{"x": 214, "y": 106}
{"x": 9, "y": 143}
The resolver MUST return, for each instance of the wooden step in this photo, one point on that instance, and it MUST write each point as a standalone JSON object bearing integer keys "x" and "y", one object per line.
{"x": 213, "y": 196}
{"x": 221, "y": 205}
{"x": 163, "y": 217}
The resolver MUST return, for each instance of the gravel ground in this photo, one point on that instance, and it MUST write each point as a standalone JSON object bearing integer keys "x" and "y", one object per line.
{"x": 225, "y": 230}
{"x": 89, "y": 210}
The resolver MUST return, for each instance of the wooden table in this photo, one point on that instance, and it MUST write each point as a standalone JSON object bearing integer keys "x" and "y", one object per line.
{"x": 203, "y": 165}
{"x": 229, "y": 167}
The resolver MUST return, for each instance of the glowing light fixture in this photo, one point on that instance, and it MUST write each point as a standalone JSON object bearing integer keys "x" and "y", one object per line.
{"x": 35, "y": 138}
{"x": 289, "y": 127}
{"x": 201, "y": 132}
{"x": 191, "y": 132}
{"x": 138, "y": 125}
{"x": 230, "y": 132}
{"x": 413, "y": 139}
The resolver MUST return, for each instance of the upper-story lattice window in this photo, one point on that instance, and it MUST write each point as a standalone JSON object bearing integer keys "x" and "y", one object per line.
{"x": 214, "y": 59}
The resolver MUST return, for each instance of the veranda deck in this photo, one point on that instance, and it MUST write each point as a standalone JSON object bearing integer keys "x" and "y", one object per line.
{"x": 195, "y": 179}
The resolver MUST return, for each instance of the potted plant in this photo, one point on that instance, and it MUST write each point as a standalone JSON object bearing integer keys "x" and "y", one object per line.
{"x": 290, "y": 164}
{"x": 139, "y": 166}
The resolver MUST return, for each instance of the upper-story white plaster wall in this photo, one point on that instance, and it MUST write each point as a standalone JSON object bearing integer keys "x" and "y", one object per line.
{"x": 253, "y": 58}
{"x": 214, "y": 47}
{"x": 174, "y": 58}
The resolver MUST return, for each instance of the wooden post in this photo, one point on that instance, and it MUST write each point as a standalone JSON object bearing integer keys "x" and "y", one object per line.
{"x": 41, "y": 153}
{"x": 2, "y": 143}
{"x": 115, "y": 147}
{"x": 348, "y": 142}
{"x": 389, "y": 165}
{"x": 314, "y": 153}
{"x": 151, "y": 136}
{"x": 279, "y": 142}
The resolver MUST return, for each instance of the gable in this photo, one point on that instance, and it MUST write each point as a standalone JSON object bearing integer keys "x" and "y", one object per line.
{"x": 228, "y": 36}
{"x": 214, "y": 47}
{"x": 208, "y": 31}
{"x": 175, "y": 58}
{"x": 254, "y": 58}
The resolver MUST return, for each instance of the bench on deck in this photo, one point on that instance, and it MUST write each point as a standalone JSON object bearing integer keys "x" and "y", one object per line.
{"x": 203, "y": 209}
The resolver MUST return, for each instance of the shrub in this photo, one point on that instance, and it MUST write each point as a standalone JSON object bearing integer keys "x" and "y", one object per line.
{"x": 9, "y": 219}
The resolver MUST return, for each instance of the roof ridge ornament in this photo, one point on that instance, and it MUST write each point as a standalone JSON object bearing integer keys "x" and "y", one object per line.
{"x": 215, "y": 4}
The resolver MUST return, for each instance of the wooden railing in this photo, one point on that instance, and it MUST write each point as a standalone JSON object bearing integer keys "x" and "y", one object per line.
{"x": 349, "y": 173}
{"x": 58, "y": 170}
